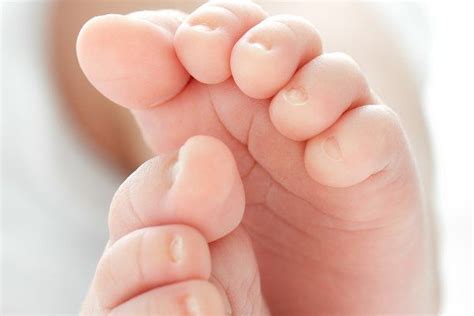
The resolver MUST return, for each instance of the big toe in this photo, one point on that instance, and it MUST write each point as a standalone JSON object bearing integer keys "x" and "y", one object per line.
{"x": 178, "y": 202}
{"x": 131, "y": 59}
{"x": 199, "y": 186}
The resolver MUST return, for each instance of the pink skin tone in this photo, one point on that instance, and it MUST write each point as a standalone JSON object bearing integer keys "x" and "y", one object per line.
{"x": 303, "y": 170}
{"x": 154, "y": 266}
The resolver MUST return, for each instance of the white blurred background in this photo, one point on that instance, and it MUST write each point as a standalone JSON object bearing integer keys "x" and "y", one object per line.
{"x": 449, "y": 106}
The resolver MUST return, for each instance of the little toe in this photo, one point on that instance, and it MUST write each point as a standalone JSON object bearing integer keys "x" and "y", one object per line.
{"x": 363, "y": 142}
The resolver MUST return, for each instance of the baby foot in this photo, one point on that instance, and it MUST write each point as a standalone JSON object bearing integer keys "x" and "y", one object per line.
{"x": 174, "y": 247}
{"x": 333, "y": 202}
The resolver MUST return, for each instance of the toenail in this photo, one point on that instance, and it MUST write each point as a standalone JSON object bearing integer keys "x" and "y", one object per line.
{"x": 202, "y": 26}
{"x": 332, "y": 149}
{"x": 192, "y": 306}
{"x": 296, "y": 96}
{"x": 176, "y": 249}
{"x": 261, "y": 44}
{"x": 180, "y": 18}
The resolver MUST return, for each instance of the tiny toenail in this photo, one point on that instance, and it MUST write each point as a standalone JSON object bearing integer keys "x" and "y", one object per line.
{"x": 332, "y": 149}
{"x": 296, "y": 96}
{"x": 202, "y": 26}
{"x": 192, "y": 306}
{"x": 177, "y": 249}
{"x": 260, "y": 44}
